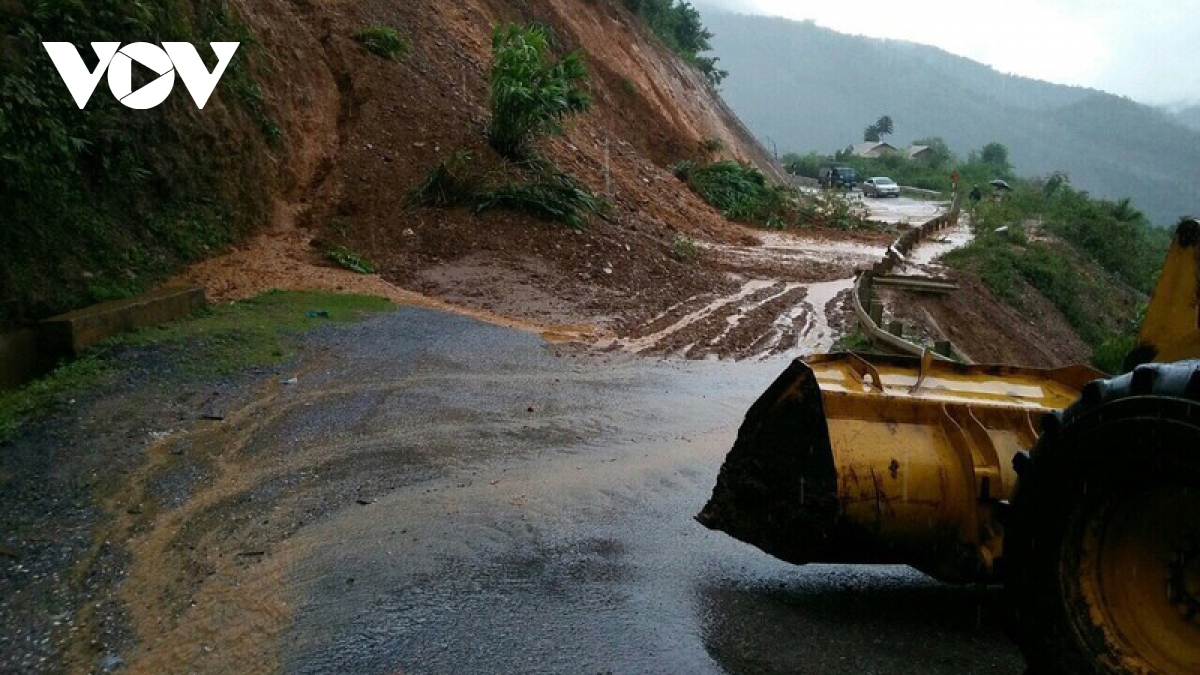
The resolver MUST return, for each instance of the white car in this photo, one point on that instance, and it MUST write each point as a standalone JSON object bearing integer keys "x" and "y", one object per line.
{"x": 880, "y": 186}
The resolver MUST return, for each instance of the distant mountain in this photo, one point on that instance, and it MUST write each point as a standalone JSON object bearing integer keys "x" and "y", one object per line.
{"x": 807, "y": 88}
{"x": 1189, "y": 116}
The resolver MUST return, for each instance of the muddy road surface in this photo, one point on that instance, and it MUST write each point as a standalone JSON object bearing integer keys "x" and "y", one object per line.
{"x": 432, "y": 494}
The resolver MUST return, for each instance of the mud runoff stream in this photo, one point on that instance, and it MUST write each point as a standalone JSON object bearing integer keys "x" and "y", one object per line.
{"x": 433, "y": 494}
{"x": 788, "y": 289}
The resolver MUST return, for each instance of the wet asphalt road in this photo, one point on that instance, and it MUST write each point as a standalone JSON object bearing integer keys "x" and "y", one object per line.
{"x": 545, "y": 524}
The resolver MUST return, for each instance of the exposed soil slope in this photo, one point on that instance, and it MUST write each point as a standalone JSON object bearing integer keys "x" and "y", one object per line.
{"x": 364, "y": 131}
{"x": 987, "y": 330}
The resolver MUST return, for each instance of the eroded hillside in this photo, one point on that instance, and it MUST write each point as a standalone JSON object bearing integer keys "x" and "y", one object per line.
{"x": 363, "y": 131}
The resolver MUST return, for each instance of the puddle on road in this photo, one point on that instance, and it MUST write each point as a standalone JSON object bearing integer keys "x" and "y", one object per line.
{"x": 903, "y": 210}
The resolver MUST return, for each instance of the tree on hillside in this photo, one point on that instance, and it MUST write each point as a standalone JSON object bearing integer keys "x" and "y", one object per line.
{"x": 875, "y": 132}
{"x": 996, "y": 155}
{"x": 884, "y": 125}
{"x": 1055, "y": 182}
{"x": 679, "y": 25}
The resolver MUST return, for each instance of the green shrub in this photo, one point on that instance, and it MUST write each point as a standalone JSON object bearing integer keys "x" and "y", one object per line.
{"x": 683, "y": 170}
{"x": 350, "y": 260}
{"x": 544, "y": 193}
{"x": 743, "y": 193}
{"x": 1110, "y": 354}
{"x": 453, "y": 182}
{"x": 530, "y": 93}
{"x": 384, "y": 41}
{"x": 857, "y": 342}
{"x": 532, "y": 186}
{"x": 530, "y": 96}
{"x": 737, "y": 190}
{"x": 683, "y": 249}
{"x": 740, "y": 192}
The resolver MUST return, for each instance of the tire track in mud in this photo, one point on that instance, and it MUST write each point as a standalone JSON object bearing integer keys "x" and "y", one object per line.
{"x": 786, "y": 304}
{"x": 779, "y": 308}
{"x": 761, "y": 319}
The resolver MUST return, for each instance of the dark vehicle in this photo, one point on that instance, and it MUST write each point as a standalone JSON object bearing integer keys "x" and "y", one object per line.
{"x": 837, "y": 176}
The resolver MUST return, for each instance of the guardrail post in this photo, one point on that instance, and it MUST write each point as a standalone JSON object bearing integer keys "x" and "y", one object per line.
{"x": 896, "y": 328}
{"x": 866, "y": 289}
{"x": 876, "y": 312}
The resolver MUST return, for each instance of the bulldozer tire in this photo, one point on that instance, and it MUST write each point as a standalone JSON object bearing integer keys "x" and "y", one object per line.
{"x": 1102, "y": 546}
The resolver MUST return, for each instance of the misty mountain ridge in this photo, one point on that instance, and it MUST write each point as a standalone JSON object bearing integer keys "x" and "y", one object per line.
{"x": 1188, "y": 115}
{"x": 805, "y": 88}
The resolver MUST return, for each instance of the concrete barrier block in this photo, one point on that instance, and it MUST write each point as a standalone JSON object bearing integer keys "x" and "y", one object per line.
{"x": 20, "y": 360}
{"x": 69, "y": 334}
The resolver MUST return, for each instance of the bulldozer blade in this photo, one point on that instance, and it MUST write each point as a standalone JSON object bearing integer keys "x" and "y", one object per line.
{"x": 778, "y": 488}
{"x": 860, "y": 459}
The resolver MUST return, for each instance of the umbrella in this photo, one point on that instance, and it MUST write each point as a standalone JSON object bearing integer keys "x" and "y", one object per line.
{"x": 1003, "y": 185}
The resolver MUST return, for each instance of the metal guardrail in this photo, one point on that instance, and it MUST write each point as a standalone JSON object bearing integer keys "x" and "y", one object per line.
{"x": 870, "y": 312}
{"x": 937, "y": 194}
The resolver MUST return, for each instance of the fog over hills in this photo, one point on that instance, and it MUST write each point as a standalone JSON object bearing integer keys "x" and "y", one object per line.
{"x": 807, "y": 88}
{"x": 1189, "y": 116}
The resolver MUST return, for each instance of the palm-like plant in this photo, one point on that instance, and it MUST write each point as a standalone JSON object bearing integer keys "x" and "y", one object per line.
{"x": 530, "y": 93}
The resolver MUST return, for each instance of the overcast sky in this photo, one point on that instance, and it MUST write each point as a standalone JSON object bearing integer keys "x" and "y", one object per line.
{"x": 1148, "y": 50}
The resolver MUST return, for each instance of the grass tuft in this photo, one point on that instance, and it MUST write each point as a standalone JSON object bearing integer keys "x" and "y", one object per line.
{"x": 216, "y": 342}
{"x": 348, "y": 259}
{"x": 384, "y": 41}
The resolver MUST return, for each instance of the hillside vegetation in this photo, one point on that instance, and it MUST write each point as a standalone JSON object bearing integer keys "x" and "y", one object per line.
{"x": 1096, "y": 261}
{"x": 980, "y": 167}
{"x": 679, "y": 26}
{"x": 811, "y": 89}
{"x": 102, "y": 202}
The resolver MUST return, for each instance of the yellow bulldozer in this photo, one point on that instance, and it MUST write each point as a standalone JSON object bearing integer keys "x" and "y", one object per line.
{"x": 1080, "y": 494}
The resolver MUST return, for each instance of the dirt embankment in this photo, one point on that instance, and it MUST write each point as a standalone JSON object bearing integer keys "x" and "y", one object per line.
{"x": 363, "y": 131}
{"x": 986, "y": 330}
